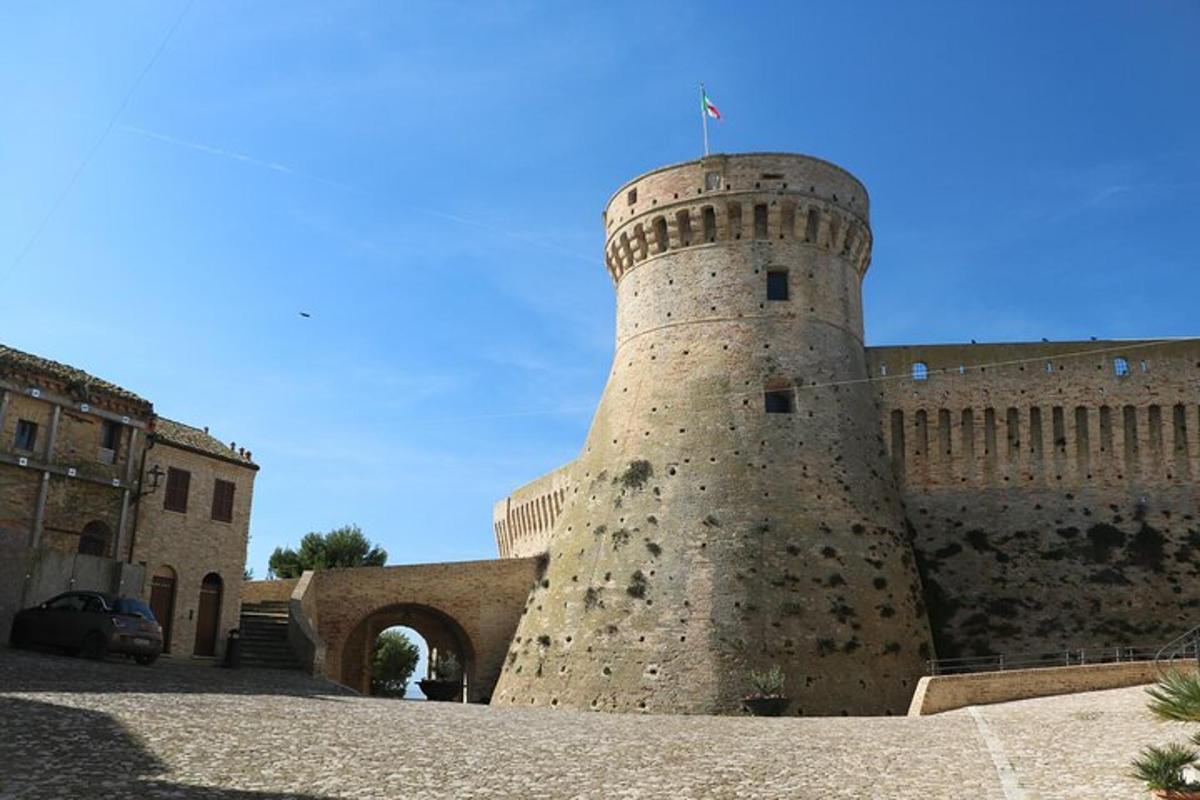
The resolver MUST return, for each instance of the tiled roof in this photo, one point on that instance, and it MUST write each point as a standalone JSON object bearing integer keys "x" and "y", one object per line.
{"x": 198, "y": 440}
{"x": 76, "y": 381}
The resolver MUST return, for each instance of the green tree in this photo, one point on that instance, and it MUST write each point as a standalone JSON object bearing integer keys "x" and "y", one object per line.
{"x": 341, "y": 547}
{"x": 393, "y": 659}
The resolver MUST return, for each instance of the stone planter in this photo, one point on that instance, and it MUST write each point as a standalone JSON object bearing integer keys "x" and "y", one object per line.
{"x": 767, "y": 706}
{"x": 441, "y": 690}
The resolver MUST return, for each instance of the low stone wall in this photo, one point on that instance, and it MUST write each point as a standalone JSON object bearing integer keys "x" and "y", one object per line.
{"x": 938, "y": 693}
{"x": 263, "y": 591}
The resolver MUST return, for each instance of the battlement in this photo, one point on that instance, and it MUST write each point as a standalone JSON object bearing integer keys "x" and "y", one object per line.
{"x": 731, "y": 198}
{"x": 1099, "y": 413}
{"x": 523, "y": 521}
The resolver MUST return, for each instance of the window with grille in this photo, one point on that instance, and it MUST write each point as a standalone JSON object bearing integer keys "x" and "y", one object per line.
{"x": 178, "y": 481}
{"x": 1120, "y": 367}
{"x": 222, "y": 504}
{"x": 920, "y": 371}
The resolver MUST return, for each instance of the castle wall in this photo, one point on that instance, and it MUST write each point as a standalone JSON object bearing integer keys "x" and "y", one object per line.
{"x": 523, "y": 521}
{"x": 1053, "y": 502}
{"x": 706, "y": 535}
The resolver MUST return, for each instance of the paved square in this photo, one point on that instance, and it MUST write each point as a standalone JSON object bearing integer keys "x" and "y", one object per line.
{"x": 71, "y": 728}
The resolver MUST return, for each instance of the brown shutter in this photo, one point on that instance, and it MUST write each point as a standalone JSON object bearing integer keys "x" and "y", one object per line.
{"x": 222, "y": 505}
{"x": 178, "y": 481}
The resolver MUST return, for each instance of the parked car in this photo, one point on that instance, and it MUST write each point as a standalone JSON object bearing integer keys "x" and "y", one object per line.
{"x": 91, "y": 623}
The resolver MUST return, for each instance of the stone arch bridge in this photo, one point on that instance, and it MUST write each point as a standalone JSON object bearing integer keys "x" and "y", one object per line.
{"x": 470, "y": 608}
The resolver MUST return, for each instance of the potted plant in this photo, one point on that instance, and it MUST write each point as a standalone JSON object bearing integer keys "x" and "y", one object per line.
{"x": 445, "y": 678}
{"x": 1171, "y": 772}
{"x": 767, "y": 699}
{"x": 1162, "y": 770}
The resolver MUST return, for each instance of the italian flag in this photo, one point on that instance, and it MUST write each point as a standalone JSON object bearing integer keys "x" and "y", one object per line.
{"x": 707, "y": 106}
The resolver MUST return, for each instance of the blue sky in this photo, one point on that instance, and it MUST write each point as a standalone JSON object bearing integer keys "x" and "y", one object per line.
{"x": 426, "y": 181}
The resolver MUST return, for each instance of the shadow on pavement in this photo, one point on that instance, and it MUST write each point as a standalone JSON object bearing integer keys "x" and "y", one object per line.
{"x": 47, "y": 671}
{"x": 48, "y": 750}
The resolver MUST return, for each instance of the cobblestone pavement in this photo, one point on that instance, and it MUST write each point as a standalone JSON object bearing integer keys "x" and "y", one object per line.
{"x": 77, "y": 729}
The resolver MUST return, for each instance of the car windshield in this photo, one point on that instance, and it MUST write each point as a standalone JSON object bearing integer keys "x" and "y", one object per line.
{"x": 127, "y": 605}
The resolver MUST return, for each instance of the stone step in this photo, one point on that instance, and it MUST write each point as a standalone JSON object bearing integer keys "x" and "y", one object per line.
{"x": 264, "y": 624}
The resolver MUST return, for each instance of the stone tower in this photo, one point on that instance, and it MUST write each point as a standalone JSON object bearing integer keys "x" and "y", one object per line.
{"x": 733, "y": 507}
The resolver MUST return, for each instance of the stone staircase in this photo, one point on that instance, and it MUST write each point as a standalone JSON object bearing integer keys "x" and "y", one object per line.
{"x": 264, "y": 636}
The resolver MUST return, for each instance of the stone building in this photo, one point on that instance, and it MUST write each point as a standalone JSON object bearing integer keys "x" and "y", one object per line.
{"x": 758, "y": 487}
{"x": 79, "y": 458}
{"x": 191, "y": 536}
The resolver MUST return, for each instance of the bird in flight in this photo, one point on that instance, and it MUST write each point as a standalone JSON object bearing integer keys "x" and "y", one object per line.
{"x": 305, "y": 314}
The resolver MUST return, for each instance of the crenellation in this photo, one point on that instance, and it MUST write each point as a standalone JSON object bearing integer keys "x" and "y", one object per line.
{"x": 754, "y": 475}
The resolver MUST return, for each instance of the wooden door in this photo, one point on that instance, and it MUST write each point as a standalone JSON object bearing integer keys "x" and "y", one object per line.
{"x": 162, "y": 603}
{"x": 208, "y": 616}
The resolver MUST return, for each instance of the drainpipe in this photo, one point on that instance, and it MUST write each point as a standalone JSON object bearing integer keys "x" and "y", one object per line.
{"x": 137, "y": 500}
{"x": 39, "y": 515}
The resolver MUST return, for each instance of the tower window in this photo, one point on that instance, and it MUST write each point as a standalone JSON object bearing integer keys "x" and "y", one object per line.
{"x": 26, "y": 435}
{"x": 1120, "y": 367}
{"x": 920, "y": 371}
{"x": 779, "y": 401}
{"x": 712, "y": 180}
{"x": 631, "y": 196}
{"x": 760, "y": 221}
{"x": 777, "y": 284}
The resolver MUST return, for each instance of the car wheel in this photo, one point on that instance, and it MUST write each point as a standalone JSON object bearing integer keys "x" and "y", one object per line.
{"x": 94, "y": 646}
{"x": 18, "y": 636}
{"x": 145, "y": 661}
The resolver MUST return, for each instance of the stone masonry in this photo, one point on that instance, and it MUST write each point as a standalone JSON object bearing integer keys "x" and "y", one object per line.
{"x": 733, "y": 507}
{"x": 1045, "y": 492}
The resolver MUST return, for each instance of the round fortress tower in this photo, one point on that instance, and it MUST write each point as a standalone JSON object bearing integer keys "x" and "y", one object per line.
{"x": 733, "y": 507}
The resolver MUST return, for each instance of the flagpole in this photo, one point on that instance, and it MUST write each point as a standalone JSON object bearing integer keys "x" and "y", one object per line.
{"x": 704, "y": 118}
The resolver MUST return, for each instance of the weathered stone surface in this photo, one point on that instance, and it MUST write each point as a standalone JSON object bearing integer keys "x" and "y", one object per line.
{"x": 702, "y": 537}
{"x": 71, "y": 729}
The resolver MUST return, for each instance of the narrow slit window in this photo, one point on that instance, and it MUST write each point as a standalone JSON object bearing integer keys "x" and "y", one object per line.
{"x": 777, "y": 284}
{"x": 779, "y": 401}
{"x": 920, "y": 371}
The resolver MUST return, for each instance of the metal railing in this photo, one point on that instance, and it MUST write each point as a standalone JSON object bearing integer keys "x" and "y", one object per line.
{"x": 1184, "y": 646}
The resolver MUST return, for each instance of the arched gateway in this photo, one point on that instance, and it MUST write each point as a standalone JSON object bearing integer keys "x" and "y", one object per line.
{"x": 470, "y": 608}
{"x": 439, "y": 629}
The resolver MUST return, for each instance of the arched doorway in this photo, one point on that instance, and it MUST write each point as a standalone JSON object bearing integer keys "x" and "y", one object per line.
{"x": 441, "y": 632}
{"x": 162, "y": 601}
{"x": 393, "y": 650}
{"x": 208, "y": 615}
{"x": 94, "y": 539}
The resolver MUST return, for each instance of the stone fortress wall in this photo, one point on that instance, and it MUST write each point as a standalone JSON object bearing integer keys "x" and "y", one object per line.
{"x": 1044, "y": 500}
{"x": 701, "y": 536}
{"x": 1050, "y": 488}
{"x": 522, "y": 522}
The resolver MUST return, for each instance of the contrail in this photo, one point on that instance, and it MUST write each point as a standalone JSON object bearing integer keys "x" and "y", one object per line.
{"x": 275, "y": 166}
